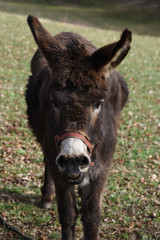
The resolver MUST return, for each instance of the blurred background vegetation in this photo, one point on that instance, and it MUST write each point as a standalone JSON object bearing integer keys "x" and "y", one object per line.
{"x": 142, "y": 16}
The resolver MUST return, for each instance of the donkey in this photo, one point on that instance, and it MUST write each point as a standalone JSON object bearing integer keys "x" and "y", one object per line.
{"x": 74, "y": 98}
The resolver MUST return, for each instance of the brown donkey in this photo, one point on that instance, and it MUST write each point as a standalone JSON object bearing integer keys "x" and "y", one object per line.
{"x": 74, "y": 98}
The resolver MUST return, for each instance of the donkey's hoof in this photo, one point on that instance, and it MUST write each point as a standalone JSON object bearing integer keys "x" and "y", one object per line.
{"x": 46, "y": 205}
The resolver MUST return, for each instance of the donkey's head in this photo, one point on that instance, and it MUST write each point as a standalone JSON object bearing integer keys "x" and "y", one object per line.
{"x": 76, "y": 95}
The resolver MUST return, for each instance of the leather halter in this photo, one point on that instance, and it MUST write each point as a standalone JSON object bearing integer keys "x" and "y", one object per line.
{"x": 76, "y": 135}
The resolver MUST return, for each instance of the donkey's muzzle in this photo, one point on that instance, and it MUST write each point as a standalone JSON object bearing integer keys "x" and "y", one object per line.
{"x": 82, "y": 162}
{"x": 74, "y": 179}
{"x": 73, "y": 168}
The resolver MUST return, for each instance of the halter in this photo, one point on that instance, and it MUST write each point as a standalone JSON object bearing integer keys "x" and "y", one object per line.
{"x": 83, "y": 138}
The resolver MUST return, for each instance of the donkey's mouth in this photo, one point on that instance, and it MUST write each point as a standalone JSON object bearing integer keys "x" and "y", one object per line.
{"x": 77, "y": 179}
{"x": 74, "y": 177}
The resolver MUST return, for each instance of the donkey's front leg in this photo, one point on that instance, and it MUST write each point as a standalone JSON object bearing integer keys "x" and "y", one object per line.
{"x": 48, "y": 189}
{"x": 91, "y": 210}
{"x": 67, "y": 210}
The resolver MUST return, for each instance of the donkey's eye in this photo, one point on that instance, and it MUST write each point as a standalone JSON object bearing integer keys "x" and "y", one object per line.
{"x": 97, "y": 105}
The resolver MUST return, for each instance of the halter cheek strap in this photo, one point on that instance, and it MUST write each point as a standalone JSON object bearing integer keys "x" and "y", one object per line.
{"x": 83, "y": 138}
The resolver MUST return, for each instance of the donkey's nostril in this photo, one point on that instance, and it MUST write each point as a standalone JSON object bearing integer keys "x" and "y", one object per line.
{"x": 61, "y": 161}
{"x": 84, "y": 162}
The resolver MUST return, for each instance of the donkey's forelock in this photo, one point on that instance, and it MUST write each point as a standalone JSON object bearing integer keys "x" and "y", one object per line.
{"x": 74, "y": 69}
{"x": 78, "y": 75}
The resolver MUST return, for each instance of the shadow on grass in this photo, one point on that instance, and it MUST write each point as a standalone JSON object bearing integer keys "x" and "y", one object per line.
{"x": 12, "y": 195}
{"x": 107, "y": 14}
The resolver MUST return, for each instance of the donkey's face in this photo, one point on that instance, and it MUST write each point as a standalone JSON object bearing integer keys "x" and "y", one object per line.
{"x": 74, "y": 118}
{"x": 77, "y": 93}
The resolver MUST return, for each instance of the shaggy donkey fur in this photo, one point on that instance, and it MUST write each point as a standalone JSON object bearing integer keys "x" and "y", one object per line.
{"x": 74, "y": 99}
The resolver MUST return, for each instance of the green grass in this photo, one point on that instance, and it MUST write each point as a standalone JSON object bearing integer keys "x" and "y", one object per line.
{"x": 131, "y": 207}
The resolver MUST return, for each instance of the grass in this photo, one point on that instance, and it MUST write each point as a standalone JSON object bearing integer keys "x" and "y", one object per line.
{"x": 131, "y": 206}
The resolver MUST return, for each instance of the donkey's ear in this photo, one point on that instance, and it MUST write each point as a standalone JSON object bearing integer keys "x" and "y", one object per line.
{"x": 111, "y": 55}
{"x": 46, "y": 43}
